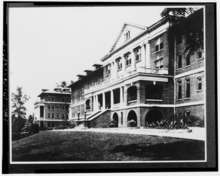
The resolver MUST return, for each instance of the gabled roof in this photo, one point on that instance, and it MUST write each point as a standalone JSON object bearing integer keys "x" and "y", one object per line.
{"x": 122, "y": 30}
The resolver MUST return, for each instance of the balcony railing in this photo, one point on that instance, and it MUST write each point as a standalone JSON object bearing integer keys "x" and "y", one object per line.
{"x": 140, "y": 69}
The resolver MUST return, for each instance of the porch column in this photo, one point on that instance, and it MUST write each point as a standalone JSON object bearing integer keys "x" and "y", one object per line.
{"x": 147, "y": 55}
{"x": 94, "y": 103}
{"x": 125, "y": 95}
{"x": 121, "y": 96}
{"x": 133, "y": 61}
{"x": 103, "y": 100}
{"x": 112, "y": 98}
{"x": 138, "y": 85}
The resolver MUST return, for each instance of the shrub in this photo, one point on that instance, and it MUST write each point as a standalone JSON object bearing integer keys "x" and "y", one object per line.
{"x": 132, "y": 123}
{"x": 113, "y": 124}
{"x": 71, "y": 124}
{"x": 17, "y": 124}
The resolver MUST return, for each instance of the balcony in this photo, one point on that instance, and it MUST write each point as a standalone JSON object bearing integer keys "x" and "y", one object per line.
{"x": 124, "y": 75}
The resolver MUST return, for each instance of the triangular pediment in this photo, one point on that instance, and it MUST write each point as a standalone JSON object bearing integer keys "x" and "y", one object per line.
{"x": 128, "y": 32}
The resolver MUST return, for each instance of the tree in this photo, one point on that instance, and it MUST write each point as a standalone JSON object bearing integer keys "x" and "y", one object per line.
{"x": 18, "y": 112}
{"x": 18, "y": 101}
{"x": 177, "y": 12}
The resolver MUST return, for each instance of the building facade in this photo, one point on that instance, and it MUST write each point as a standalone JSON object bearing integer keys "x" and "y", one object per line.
{"x": 145, "y": 77}
{"x": 53, "y": 108}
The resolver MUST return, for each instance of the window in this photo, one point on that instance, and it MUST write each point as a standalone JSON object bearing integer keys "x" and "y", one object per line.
{"x": 179, "y": 61}
{"x": 48, "y": 115}
{"x": 119, "y": 63}
{"x": 52, "y": 115}
{"x": 41, "y": 111}
{"x": 108, "y": 69}
{"x": 116, "y": 96}
{"x": 179, "y": 89}
{"x": 57, "y": 115}
{"x": 199, "y": 54}
{"x": 127, "y": 35}
{"x": 127, "y": 59}
{"x": 187, "y": 88}
{"x": 199, "y": 83}
{"x": 137, "y": 53}
{"x": 161, "y": 45}
{"x": 156, "y": 48}
{"x": 187, "y": 60}
{"x": 159, "y": 63}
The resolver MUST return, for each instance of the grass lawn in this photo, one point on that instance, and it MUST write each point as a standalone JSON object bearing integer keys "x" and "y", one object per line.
{"x": 91, "y": 146}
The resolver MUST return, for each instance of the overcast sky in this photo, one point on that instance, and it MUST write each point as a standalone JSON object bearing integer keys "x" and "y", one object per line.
{"x": 54, "y": 44}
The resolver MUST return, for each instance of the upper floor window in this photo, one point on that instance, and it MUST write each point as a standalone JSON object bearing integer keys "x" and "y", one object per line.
{"x": 41, "y": 111}
{"x": 187, "y": 60}
{"x": 48, "y": 115}
{"x": 119, "y": 63}
{"x": 179, "y": 89}
{"x": 127, "y": 59}
{"x": 199, "y": 54}
{"x": 127, "y": 35}
{"x": 179, "y": 61}
{"x": 108, "y": 69}
{"x": 116, "y": 96}
{"x": 137, "y": 53}
{"x": 199, "y": 83}
{"x": 159, "y": 63}
{"x": 159, "y": 45}
{"x": 187, "y": 87}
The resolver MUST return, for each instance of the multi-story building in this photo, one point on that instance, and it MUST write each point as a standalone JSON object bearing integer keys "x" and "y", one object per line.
{"x": 145, "y": 77}
{"x": 53, "y": 108}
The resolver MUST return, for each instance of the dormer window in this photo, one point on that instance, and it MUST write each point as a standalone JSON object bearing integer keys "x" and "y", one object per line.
{"x": 127, "y": 35}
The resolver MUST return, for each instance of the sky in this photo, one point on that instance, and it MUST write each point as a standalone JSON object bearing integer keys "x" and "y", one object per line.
{"x": 53, "y": 44}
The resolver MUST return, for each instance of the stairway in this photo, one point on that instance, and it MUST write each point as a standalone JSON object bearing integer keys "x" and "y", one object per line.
{"x": 100, "y": 119}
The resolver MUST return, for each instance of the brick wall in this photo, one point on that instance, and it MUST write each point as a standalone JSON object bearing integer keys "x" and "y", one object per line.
{"x": 162, "y": 53}
{"x": 195, "y": 94}
{"x": 102, "y": 121}
{"x": 196, "y": 111}
{"x": 195, "y": 61}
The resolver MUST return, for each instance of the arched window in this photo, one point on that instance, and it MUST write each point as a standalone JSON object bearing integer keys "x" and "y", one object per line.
{"x": 132, "y": 93}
